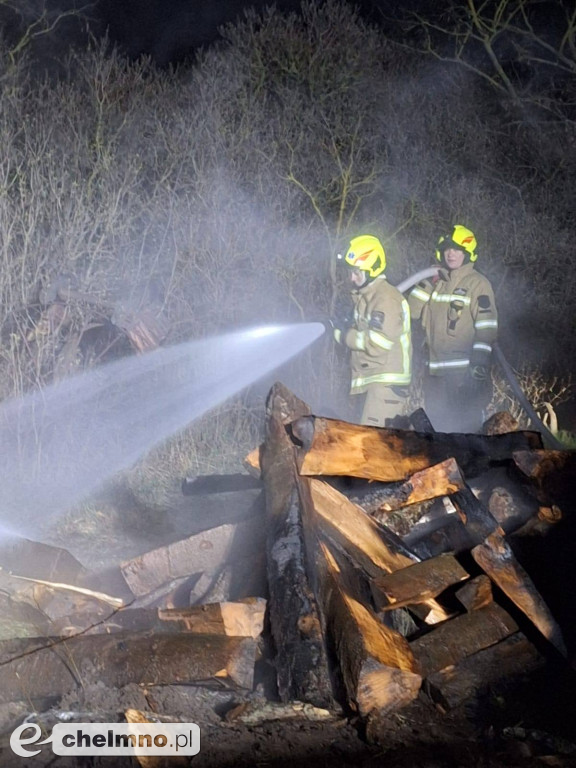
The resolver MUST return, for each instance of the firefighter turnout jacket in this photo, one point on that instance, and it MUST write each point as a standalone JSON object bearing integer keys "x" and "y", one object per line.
{"x": 459, "y": 318}
{"x": 380, "y": 344}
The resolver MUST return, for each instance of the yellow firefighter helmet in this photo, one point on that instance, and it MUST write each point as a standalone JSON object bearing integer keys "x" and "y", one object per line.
{"x": 461, "y": 238}
{"x": 366, "y": 253}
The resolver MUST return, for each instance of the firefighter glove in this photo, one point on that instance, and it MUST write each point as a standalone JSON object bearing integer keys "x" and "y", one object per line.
{"x": 479, "y": 373}
{"x": 340, "y": 329}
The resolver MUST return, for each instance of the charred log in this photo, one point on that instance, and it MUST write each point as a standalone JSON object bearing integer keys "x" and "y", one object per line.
{"x": 417, "y": 583}
{"x": 301, "y": 661}
{"x": 498, "y": 561}
{"x": 331, "y": 447}
{"x": 378, "y": 499}
{"x": 452, "y": 641}
{"x": 49, "y": 667}
{"x": 513, "y": 657}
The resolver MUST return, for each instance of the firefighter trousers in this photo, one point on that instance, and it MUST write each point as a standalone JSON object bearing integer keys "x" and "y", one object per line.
{"x": 455, "y": 403}
{"x": 380, "y": 404}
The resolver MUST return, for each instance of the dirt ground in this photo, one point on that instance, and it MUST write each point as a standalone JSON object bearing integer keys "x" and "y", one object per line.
{"x": 504, "y": 728}
{"x": 524, "y": 722}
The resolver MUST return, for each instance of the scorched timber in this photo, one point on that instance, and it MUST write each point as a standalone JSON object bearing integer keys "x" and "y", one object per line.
{"x": 420, "y": 421}
{"x": 551, "y": 472}
{"x": 375, "y": 550}
{"x": 505, "y": 512}
{"x": 40, "y": 561}
{"x": 417, "y": 583}
{"x": 301, "y": 660}
{"x": 377, "y": 667}
{"x": 378, "y": 499}
{"x": 42, "y": 668}
{"x": 498, "y": 561}
{"x": 478, "y": 520}
{"x": 514, "y": 656}
{"x": 235, "y": 619}
{"x": 243, "y": 618}
{"x": 462, "y": 636}
{"x": 206, "y": 551}
{"x": 443, "y": 534}
{"x": 331, "y": 447}
{"x": 476, "y": 593}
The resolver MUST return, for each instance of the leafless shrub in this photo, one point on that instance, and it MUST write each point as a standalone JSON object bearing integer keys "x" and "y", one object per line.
{"x": 225, "y": 191}
{"x": 541, "y": 390}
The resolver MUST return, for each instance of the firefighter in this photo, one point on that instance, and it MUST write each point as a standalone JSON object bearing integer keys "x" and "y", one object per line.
{"x": 460, "y": 323}
{"x": 378, "y": 336}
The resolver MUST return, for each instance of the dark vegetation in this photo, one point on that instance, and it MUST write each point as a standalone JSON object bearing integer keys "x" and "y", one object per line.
{"x": 215, "y": 192}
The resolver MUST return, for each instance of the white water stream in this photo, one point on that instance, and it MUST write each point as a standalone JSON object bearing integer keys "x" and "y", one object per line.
{"x": 59, "y": 445}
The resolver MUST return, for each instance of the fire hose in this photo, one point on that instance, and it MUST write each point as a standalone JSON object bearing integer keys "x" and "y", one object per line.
{"x": 508, "y": 372}
{"x": 505, "y": 366}
{"x": 416, "y": 277}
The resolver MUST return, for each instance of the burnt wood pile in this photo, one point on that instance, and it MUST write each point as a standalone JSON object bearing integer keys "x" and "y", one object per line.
{"x": 368, "y": 619}
{"x": 365, "y": 566}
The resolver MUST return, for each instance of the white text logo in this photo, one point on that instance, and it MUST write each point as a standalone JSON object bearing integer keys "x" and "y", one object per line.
{"x": 110, "y": 739}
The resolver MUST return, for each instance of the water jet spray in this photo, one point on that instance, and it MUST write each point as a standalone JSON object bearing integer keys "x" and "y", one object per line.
{"x": 59, "y": 445}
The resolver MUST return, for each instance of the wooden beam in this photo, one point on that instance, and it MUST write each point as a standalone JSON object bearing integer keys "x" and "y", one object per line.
{"x": 420, "y": 421}
{"x": 542, "y": 522}
{"x": 206, "y": 551}
{"x": 53, "y": 586}
{"x": 476, "y": 593}
{"x": 378, "y": 499}
{"x": 510, "y": 503}
{"x": 235, "y": 619}
{"x": 445, "y": 534}
{"x": 552, "y": 473}
{"x": 497, "y": 559}
{"x": 252, "y": 462}
{"x": 150, "y": 761}
{"x": 372, "y": 667}
{"x": 360, "y": 535}
{"x": 40, "y": 668}
{"x": 450, "y": 642}
{"x": 478, "y": 520}
{"x": 370, "y": 545}
{"x": 417, "y": 583}
{"x": 20, "y": 619}
{"x": 331, "y": 447}
{"x": 500, "y": 423}
{"x": 377, "y": 668}
{"x": 540, "y": 464}
{"x": 508, "y": 507}
{"x": 301, "y": 660}
{"x": 206, "y": 485}
{"x": 243, "y": 577}
{"x": 513, "y": 656}
{"x": 244, "y": 618}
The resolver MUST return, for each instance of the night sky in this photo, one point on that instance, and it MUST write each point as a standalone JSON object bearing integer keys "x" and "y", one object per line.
{"x": 170, "y": 31}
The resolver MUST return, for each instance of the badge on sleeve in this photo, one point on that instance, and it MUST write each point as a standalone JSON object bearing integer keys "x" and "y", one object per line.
{"x": 484, "y": 303}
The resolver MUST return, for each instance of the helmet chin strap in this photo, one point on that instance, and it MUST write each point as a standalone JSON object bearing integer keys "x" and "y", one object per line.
{"x": 355, "y": 274}
{"x": 367, "y": 280}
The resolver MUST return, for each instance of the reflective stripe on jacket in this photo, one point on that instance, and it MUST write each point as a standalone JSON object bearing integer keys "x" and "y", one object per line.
{"x": 459, "y": 317}
{"x": 380, "y": 344}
